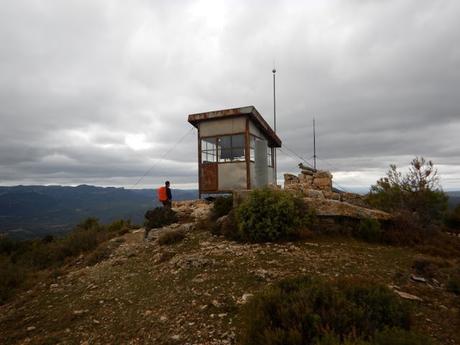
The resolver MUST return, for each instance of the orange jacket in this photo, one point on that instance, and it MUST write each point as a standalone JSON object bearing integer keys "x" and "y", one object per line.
{"x": 162, "y": 194}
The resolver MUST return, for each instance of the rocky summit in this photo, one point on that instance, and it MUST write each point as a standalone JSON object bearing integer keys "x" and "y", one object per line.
{"x": 191, "y": 292}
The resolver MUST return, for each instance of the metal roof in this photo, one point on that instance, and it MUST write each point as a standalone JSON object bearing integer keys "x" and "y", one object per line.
{"x": 249, "y": 111}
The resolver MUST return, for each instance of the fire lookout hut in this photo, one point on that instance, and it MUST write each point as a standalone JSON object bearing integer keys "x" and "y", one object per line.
{"x": 235, "y": 150}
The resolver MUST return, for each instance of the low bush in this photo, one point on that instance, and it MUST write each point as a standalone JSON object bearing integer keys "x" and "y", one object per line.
{"x": 453, "y": 284}
{"x": 171, "y": 237}
{"x": 368, "y": 230}
{"x": 270, "y": 215}
{"x": 453, "y": 219}
{"x": 309, "y": 311}
{"x": 229, "y": 227}
{"x": 404, "y": 229}
{"x": 11, "y": 277}
{"x": 418, "y": 193}
{"x": 221, "y": 206}
{"x": 225, "y": 226}
{"x": 101, "y": 253}
{"x": 159, "y": 217}
{"x": 120, "y": 227}
{"x": 398, "y": 336}
{"x": 426, "y": 267}
{"x": 19, "y": 259}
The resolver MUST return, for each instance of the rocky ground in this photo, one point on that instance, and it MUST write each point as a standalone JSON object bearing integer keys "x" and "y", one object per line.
{"x": 190, "y": 292}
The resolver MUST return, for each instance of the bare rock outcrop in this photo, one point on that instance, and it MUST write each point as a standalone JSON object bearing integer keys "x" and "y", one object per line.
{"x": 196, "y": 209}
{"x": 334, "y": 208}
{"x": 316, "y": 188}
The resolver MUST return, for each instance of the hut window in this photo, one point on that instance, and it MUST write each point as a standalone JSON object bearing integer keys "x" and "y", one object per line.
{"x": 270, "y": 156}
{"x": 231, "y": 148}
{"x": 252, "y": 144}
{"x": 208, "y": 150}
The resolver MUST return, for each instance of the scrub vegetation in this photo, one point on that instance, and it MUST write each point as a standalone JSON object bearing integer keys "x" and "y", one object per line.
{"x": 303, "y": 310}
{"x": 417, "y": 194}
{"x": 159, "y": 217}
{"x": 271, "y": 215}
{"x": 20, "y": 260}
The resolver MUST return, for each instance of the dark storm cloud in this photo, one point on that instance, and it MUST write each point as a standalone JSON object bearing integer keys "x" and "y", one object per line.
{"x": 98, "y": 91}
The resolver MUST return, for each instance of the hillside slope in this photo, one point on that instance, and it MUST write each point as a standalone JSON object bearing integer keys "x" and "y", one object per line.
{"x": 191, "y": 292}
{"x": 35, "y": 211}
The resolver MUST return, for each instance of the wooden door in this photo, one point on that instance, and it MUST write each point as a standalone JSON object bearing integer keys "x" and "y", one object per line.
{"x": 209, "y": 181}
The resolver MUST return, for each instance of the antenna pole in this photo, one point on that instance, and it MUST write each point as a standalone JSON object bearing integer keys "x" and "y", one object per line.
{"x": 314, "y": 145}
{"x": 274, "y": 127}
{"x": 274, "y": 100}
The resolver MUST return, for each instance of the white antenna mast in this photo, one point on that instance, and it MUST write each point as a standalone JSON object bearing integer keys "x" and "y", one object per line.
{"x": 314, "y": 144}
{"x": 274, "y": 123}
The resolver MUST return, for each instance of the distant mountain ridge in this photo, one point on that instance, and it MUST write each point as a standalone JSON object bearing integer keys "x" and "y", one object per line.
{"x": 35, "y": 211}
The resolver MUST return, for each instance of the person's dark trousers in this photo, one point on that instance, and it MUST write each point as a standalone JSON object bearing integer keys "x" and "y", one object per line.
{"x": 166, "y": 203}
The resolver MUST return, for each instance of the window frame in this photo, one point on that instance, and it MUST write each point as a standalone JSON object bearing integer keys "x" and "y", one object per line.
{"x": 216, "y": 151}
{"x": 252, "y": 153}
{"x": 205, "y": 152}
{"x": 270, "y": 157}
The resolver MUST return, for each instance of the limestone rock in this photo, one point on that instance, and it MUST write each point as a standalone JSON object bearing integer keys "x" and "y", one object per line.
{"x": 245, "y": 298}
{"x": 290, "y": 177}
{"x": 331, "y": 208}
{"x": 408, "y": 296}
{"x": 323, "y": 174}
{"x": 312, "y": 193}
{"x": 193, "y": 261}
{"x": 323, "y": 183}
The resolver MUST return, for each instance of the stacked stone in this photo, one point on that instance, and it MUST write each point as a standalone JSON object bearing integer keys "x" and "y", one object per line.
{"x": 316, "y": 188}
{"x": 308, "y": 180}
{"x": 318, "y": 185}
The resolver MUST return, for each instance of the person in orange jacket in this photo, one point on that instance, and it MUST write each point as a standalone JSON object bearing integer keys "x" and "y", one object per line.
{"x": 164, "y": 195}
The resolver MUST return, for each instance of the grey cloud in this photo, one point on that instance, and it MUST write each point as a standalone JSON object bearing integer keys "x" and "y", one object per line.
{"x": 97, "y": 92}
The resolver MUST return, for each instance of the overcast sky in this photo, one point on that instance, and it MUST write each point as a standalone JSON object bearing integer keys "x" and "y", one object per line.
{"x": 97, "y": 92}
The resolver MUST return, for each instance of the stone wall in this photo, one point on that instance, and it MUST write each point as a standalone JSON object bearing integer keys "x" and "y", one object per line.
{"x": 318, "y": 185}
{"x": 316, "y": 189}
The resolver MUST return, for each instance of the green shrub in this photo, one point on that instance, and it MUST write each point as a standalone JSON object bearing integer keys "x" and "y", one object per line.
{"x": 9, "y": 246}
{"x": 221, "y": 206}
{"x": 418, "y": 193}
{"x": 331, "y": 339}
{"x": 79, "y": 241}
{"x": 270, "y": 215}
{"x": 89, "y": 223}
{"x": 159, "y": 217}
{"x": 229, "y": 227}
{"x": 19, "y": 259}
{"x": 225, "y": 226}
{"x": 404, "y": 229}
{"x": 11, "y": 277}
{"x": 453, "y": 218}
{"x": 171, "y": 237}
{"x": 430, "y": 267}
{"x": 404, "y": 232}
{"x": 453, "y": 284}
{"x": 39, "y": 255}
{"x": 398, "y": 336}
{"x": 101, "y": 253}
{"x": 368, "y": 230}
{"x": 119, "y": 225}
{"x": 309, "y": 311}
